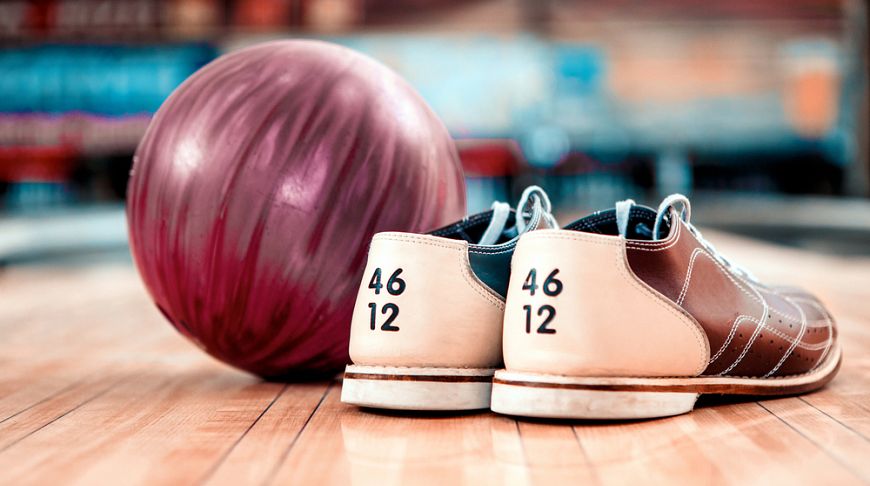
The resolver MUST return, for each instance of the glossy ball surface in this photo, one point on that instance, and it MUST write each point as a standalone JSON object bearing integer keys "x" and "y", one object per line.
{"x": 257, "y": 188}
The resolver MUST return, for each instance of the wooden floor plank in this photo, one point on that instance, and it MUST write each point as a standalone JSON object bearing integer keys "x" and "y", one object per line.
{"x": 318, "y": 455}
{"x": 847, "y": 399}
{"x": 659, "y": 451}
{"x": 852, "y": 413}
{"x": 41, "y": 290}
{"x": 51, "y": 360}
{"x": 554, "y": 455}
{"x": 843, "y": 444}
{"x": 258, "y": 453}
{"x": 31, "y": 419}
{"x": 95, "y": 387}
{"x": 509, "y": 451}
{"x": 155, "y": 427}
{"x": 787, "y": 456}
{"x": 344, "y": 445}
{"x": 20, "y": 393}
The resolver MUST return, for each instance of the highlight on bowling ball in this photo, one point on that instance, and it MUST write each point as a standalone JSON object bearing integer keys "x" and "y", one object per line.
{"x": 256, "y": 190}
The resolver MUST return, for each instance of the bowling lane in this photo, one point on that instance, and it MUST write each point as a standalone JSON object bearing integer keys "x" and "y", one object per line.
{"x": 95, "y": 387}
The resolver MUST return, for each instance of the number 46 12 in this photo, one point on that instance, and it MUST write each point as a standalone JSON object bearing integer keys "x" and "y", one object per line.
{"x": 551, "y": 287}
{"x": 395, "y": 286}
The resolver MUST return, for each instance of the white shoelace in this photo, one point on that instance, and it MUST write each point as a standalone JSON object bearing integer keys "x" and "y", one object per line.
{"x": 685, "y": 214}
{"x": 534, "y": 200}
{"x": 500, "y": 213}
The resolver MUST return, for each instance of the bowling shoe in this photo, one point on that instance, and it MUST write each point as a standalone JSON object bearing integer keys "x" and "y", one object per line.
{"x": 630, "y": 313}
{"x": 427, "y": 325}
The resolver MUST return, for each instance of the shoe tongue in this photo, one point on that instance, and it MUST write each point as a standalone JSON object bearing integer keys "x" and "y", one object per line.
{"x": 500, "y": 214}
{"x": 623, "y": 213}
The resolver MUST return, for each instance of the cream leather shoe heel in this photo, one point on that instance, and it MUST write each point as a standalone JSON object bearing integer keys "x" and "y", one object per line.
{"x": 630, "y": 313}
{"x": 426, "y": 328}
{"x": 418, "y": 388}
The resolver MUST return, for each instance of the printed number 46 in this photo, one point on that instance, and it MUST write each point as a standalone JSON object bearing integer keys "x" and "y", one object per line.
{"x": 395, "y": 285}
{"x": 552, "y": 285}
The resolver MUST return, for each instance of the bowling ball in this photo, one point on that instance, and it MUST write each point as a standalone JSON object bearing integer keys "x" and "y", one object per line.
{"x": 257, "y": 187}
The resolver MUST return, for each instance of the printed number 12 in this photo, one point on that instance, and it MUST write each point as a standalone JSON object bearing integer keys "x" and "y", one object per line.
{"x": 393, "y": 309}
{"x": 542, "y": 329}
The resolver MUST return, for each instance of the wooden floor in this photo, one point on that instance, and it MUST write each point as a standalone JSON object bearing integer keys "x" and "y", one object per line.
{"x": 96, "y": 388}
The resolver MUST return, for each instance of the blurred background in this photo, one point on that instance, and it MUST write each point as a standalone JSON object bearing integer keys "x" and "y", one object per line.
{"x": 758, "y": 110}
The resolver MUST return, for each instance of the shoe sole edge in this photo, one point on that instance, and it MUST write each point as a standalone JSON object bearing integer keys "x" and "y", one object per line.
{"x": 423, "y": 389}
{"x": 556, "y": 396}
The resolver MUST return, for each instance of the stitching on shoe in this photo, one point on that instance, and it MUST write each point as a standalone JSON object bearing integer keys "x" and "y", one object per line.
{"x": 794, "y": 344}
{"x": 475, "y": 283}
{"x": 495, "y": 250}
{"x": 622, "y": 266}
{"x": 757, "y": 298}
{"x": 685, "y": 288}
{"x": 465, "y": 266}
{"x": 656, "y": 246}
{"x": 742, "y": 318}
{"x": 687, "y": 319}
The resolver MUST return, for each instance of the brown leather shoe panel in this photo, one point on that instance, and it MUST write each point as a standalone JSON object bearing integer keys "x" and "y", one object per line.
{"x": 762, "y": 356}
{"x": 815, "y": 337}
{"x": 734, "y": 345}
{"x": 800, "y": 361}
{"x": 708, "y": 292}
{"x": 662, "y": 264}
{"x": 797, "y": 330}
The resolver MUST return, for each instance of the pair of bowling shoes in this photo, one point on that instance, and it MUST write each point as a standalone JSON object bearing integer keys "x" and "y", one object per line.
{"x": 626, "y": 313}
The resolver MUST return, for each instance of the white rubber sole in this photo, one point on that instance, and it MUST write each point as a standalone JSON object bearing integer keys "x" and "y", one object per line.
{"x": 430, "y": 389}
{"x": 556, "y": 396}
{"x": 588, "y": 404}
